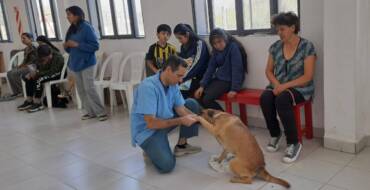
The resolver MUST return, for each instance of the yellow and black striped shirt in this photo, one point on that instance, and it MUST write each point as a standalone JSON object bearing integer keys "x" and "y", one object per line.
{"x": 159, "y": 55}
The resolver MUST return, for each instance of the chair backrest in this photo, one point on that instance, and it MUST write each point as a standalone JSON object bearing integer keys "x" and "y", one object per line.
{"x": 114, "y": 61}
{"x": 64, "y": 69}
{"x": 99, "y": 61}
{"x": 16, "y": 60}
{"x": 133, "y": 67}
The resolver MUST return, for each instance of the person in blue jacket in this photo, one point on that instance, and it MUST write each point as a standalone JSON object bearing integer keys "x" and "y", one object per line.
{"x": 195, "y": 51}
{"x": 225, "y": 72}
{"x": 81, "y": 43}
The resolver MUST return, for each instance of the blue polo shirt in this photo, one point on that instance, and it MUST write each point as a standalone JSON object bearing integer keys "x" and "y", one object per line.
{"x": 152, "y": 98}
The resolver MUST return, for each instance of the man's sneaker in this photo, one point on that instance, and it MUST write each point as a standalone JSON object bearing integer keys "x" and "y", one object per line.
{"x": 103, "y": 117}
{"x": 25, "y": 105}
{"x": 87, "y": 116}
{"x": 292, "y": 152}
{"x": 274, "y": 143}
{"x": 35, "y": 108}
{"x": 181, "y": 150}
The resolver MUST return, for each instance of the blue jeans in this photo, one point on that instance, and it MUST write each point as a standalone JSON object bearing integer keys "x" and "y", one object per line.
{"x": 157, "y": 147}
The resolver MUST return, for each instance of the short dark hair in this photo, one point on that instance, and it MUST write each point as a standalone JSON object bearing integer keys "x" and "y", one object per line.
{"x": 174, "y": 62}
{"x": 43, "y": 51}
{"x": 287, "y": 19}
{"x": 164, "y": 28}
{"x": 28, "y": 35}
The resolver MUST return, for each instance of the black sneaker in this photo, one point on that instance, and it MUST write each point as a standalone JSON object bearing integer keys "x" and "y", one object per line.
{"x": 274, "y": 143}
{"x": 186, "y": 149}
{"x": 35, "y": 108}
{"x": 25, "y": 105}
{"x": 292, "y": 152}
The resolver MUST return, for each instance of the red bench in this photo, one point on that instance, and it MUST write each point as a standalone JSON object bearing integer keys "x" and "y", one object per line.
{"x": 252, "y": 97}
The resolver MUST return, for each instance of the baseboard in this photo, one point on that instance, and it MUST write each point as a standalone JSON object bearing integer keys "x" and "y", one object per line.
{"x": 345, "y": 146}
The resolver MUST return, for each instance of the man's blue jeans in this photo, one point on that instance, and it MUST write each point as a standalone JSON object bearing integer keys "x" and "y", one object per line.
{"x": 157, "y": 147}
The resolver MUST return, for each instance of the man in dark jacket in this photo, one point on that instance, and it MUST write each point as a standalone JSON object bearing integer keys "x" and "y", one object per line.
{"x": 49, "y": 67}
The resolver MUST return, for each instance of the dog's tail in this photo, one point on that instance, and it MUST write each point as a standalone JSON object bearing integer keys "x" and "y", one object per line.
{"x": 269, "y": 178}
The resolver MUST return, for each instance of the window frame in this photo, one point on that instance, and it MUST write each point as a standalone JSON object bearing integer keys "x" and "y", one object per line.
{"x": 34, "y": 19}
{"x": 240, "y": 30}
{"x": 5, "y": 23}
{"x": 134, "y": 29}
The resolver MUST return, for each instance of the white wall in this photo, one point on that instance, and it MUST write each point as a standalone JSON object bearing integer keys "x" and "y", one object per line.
{"x": 176, "y": 11}
{"x": 346, "y": 78}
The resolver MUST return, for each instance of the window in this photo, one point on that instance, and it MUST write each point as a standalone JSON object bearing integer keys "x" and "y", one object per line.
{"x": 43, "y": 21}
{"x": 117, "y": 18}
{"x": 239, "y": 16}
{"x": 4, "y": 34}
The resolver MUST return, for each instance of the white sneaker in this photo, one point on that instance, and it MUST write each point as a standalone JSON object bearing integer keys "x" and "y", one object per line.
{"x": 292, "y": 153}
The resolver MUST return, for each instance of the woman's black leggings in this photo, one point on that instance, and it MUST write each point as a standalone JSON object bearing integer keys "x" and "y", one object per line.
{"x": 281, "y": 104}
{"x": 214, "y": 90}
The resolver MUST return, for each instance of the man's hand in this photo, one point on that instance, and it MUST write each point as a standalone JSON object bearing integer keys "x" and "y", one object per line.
{"x": 189, "y": 120}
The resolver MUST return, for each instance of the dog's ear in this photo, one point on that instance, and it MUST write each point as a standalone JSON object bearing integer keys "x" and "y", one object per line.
{"x": 211, "y": 113}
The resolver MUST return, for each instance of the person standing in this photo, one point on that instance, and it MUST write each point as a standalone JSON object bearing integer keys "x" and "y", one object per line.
{"x": 81, "y": 43}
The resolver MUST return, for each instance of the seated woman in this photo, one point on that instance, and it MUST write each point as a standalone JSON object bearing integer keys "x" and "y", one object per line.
{"x": 49, "y": 67}
{"x": 290, "y": 69}
{"x": 225, "y": 72}
{"x": 14, "y": 75}
{"x": 195, "y": 51}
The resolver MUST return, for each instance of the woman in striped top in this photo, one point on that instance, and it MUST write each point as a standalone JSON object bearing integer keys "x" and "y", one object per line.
{"x": 290, "y": 70}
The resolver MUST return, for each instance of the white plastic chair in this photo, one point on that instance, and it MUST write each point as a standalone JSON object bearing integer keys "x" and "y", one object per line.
{"x": 114, "y": 60}
{"x": 131, "y": 74}
{"x": 16, "y": 60}
{"x": 62, "y": 79}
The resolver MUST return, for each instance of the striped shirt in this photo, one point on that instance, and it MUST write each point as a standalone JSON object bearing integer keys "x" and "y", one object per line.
{"x": 288, "y": 70}
{"x": 159, "y": 55}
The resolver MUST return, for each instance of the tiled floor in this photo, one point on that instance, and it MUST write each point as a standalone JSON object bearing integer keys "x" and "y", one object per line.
{"x": 55, "y": 150}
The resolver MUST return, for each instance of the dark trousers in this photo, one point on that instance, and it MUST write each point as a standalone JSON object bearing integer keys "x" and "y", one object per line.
{"x": 214, "y": 90}
{"x": 283, "y": 105}
{"x": 34, "y": 87}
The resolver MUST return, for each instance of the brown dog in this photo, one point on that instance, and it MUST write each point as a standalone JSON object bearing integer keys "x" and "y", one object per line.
{"x": 235, "y": 138}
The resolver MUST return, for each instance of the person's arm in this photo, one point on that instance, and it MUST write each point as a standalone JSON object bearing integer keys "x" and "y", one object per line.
{"x": 149, "y": 57}
{"x": 30, "y": 58}
{"x": 155, "y": 123}
{"x": 269, "y": 71}
{"x": 237, "y": 70}
{"x": 209, "y": 73}
{"x": 90, "y": 43}
{"x": 199, "y": 64}
{"x": 151, "y": 66}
